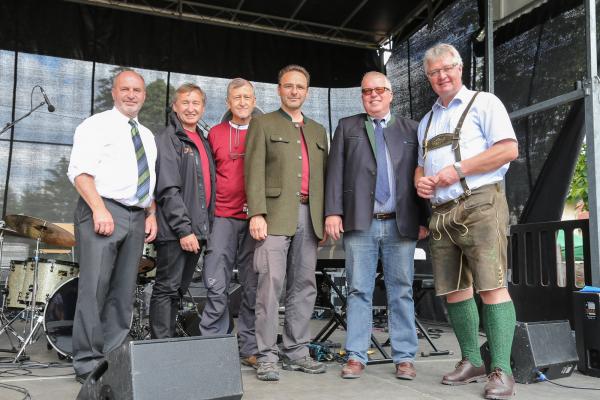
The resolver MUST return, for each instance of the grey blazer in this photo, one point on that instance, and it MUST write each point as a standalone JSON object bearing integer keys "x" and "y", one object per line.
{"x": 352, "y": 172}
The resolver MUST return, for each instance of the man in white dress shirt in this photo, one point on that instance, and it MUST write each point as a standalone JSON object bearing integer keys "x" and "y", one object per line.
{"x": 466, "y": 143}
{"x": 112, "y": 168}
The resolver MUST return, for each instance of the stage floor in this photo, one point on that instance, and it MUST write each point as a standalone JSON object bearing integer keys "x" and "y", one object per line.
{"x": 378, "y": 381}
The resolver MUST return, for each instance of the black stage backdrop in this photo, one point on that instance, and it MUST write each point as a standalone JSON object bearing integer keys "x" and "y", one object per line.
{"x": 81, "y": 32}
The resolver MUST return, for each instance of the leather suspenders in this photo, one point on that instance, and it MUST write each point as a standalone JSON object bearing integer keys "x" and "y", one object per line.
{"x": 449, "y": 139}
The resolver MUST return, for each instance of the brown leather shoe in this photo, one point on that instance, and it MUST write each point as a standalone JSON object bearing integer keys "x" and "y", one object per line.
{"x": 352, "y": 369}
{"x": 405, "y": 370}
{"x": 249, "y": 361}
{"x": 500, "y": 386}
{"x": 464, "y": 372}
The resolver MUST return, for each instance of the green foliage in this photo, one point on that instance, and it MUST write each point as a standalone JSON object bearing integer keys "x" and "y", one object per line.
{"x": 54, "y": 200}
{"x": 579, "y": 184}
{"x": 153, "y": 114}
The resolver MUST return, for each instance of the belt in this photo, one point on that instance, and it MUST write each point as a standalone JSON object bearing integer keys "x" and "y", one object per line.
{"x": 497, "y": 186}
{"x": 125, "y": 206}
{"x": 384, "y": 216}
{"x": 303, "y": 198}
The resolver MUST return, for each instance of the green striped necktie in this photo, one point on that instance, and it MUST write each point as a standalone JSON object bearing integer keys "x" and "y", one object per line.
{"x": 143, "y": 182}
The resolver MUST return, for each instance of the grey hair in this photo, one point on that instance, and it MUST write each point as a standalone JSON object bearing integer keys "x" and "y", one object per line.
{"x": 378, "y": 74}
{"x": 439, "y": 50}
{"x": 238, "y": 83}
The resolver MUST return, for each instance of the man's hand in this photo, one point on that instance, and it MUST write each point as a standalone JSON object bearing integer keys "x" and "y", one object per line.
{"x": 190, "y": 243}
{"x": 426, "y": 186}
{"x": 258, "y": 227}
{"x": 334, "y": 226}
{"x": 423, "y": 232}
{"x": 103, "y": 221}
{"x": 151, "y": 228}
{"x": 447, "y": 176}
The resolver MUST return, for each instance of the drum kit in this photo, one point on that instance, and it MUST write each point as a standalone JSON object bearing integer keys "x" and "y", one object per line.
{"x": 43, "y": 292}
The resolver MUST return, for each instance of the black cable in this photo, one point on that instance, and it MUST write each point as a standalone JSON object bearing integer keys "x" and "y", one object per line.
{"x": 18, "y": 389}
{"x": 543, "y": 378}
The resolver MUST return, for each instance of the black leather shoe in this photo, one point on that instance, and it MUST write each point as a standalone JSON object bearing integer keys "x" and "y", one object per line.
{"x": 82, "y": 378}
{"x": 500, "y": 386}
{"x": 464, "y": 373}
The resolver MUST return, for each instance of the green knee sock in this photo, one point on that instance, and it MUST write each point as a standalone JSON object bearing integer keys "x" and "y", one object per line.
{"x": 464, "y": 318}
{"x": 499, "y": 321}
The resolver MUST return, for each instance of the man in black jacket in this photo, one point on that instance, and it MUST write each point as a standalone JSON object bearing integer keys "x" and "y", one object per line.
{"x": 185, "y": 198}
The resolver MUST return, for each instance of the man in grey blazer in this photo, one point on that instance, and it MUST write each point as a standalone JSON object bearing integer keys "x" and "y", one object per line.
{"x": 370, "y": 197}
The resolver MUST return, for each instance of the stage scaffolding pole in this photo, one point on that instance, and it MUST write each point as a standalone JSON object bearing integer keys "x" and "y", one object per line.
{"x": 592, "y": 134}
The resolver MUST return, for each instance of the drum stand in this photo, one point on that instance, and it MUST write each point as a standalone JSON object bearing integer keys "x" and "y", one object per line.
{"x": 5, "y": 323}
{"x": 35, "y": 313}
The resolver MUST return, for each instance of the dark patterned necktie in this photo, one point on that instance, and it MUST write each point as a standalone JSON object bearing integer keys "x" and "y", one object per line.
{"x": 143, "y": 182}
{"x": 382, "y": 185}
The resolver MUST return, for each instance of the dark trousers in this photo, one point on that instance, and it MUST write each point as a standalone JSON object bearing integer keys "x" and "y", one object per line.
{"x": 174, "y": 272}
{"x": 230, "y": 245}
{"x": 107, "y": 277}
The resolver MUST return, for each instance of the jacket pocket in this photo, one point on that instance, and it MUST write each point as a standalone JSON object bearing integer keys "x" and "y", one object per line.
{"x": 272, "y": 192}
{"x": 321, "y": 146}
{"x": 278, "y": 139}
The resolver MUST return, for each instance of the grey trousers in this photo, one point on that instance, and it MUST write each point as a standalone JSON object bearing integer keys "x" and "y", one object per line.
{"x": 230, "y": 245}
{"x": 275, "y": 258}
{"x": 108, "y": 267}
{"x": 174, "y": 272}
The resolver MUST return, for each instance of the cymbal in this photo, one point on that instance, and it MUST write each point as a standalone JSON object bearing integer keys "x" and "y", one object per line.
{"x": 10, "y": 232}
{"x": 37, "y": 228}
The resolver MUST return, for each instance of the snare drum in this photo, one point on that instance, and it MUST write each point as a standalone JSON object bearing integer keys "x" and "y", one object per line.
{"x": 16, "y": 277}
{"x": 59, "y": 315}
{"x": 51, "y": 273}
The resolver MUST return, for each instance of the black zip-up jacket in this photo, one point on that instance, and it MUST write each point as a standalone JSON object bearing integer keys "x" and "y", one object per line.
{"x": 180, "y": 194}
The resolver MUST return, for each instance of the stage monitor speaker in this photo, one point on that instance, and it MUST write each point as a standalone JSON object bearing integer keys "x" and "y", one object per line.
{"x": 586, "y": 313}
{"x": 545, "y": 346}
{"x": 199, "y": 368}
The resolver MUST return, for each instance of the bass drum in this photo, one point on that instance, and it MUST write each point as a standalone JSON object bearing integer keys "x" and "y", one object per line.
{"x": 59, "y": 315}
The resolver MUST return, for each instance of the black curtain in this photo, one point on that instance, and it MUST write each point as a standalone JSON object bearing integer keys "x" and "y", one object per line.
{"x": 89, "y": 33}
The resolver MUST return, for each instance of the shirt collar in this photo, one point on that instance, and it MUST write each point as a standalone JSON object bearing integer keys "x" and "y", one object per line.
{"x": 289, "y": 117}
{"x": 236, "y": 126}
{"x": 462, "y": 96}
{"x": 123, "y": 117}
{"x": 385, "y": 119}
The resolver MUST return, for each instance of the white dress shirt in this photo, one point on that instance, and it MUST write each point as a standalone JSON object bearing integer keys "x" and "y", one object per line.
{"x": 486, "y": 123}
{"x": 103, "y": 148}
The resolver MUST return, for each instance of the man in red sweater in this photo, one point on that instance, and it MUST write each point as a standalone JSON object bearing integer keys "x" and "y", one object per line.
{"x": 230, "y": 243}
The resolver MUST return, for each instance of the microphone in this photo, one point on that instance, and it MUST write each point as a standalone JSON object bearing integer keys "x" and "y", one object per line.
{"x": 51, "y": 108}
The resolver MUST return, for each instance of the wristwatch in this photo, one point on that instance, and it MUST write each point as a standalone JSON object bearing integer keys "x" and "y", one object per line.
{"x": 459, "y": 170}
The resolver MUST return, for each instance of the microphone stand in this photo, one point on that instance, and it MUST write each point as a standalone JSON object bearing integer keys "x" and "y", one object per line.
{"x": 13, "y": 123}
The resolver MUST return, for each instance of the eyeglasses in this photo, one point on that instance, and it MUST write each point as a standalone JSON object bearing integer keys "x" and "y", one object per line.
{"x": 378, "y": 90}
{"x": 434, "y": 73}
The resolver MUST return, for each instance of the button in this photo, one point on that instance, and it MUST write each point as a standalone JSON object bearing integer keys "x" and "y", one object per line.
{"x": 297, "y": 125}
{"x": 203, "y": 206}
{"x": 371, "y": 193}
{"x": 280, "y": 138}
{"x": 299, "y": 157}
{"x": 373, "y": 173}
{"x": 299, "y": 175}
{"x": 297, "y": 141}
{"x": 297, "y": 193}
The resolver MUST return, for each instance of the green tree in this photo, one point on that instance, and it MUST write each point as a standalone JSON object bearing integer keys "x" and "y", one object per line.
{"x": 153, "y": 113}
{"x": 579, "y": 184}
{"x": 55, "y": 199}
